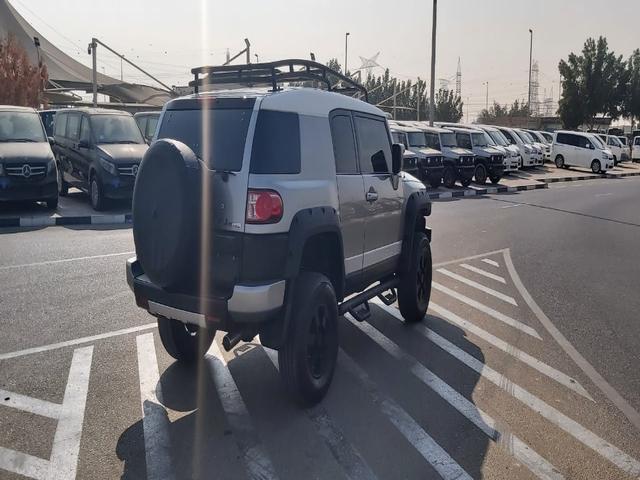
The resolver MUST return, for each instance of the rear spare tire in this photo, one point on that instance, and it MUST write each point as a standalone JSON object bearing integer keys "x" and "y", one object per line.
{"x": 166, "y": 214}
{"x": 185, "y": 343}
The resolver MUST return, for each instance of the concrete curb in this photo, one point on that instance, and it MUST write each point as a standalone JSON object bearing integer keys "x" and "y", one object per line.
{"x": 117, "y": 219}
{"x": 589, "y": 177}
{"x": 473, "y": 192}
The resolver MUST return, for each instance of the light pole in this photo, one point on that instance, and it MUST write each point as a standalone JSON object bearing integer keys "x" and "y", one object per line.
{"x": 257, "y": 57}
{"x": 487, "y": 99}
{"x": 432, "y": 105}
{"x": 346, "y": 50}
{"x": 530, "y": 62}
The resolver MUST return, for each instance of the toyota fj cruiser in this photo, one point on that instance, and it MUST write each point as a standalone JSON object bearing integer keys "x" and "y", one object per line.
{"x": 429, "y": 161}
{"x": 271, "y": 213}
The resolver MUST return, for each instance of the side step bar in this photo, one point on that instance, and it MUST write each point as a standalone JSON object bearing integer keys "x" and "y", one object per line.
{"x": 361, "y": 298}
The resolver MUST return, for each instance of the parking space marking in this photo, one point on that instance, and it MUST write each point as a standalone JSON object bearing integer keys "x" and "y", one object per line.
{"x": 540, "y": 467}
{"x": 490, "y": 262}
{"x": 524, "y": 357}
{"x": 488, "y": 310}
{"x": 64, "y": 260}
{"x": 29, "y": 404}
{"x": 76, "y": 341}
{"x": 478, "y": 286}
{"x": 256, "y": 460}
{"x": 354, "y": 466}
{"x": 433, "y": 453}
{"x": 604, "y": 386}
{"x": 155, "y": 421}
{"x": 23, "y": 464}
{"x": 484, "y": 273}
{"x": 466, "y": 259}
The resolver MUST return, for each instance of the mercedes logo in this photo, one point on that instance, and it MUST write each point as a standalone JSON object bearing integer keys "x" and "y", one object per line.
{"x": 26, "y": 170}
{"x": 134, "y": 170}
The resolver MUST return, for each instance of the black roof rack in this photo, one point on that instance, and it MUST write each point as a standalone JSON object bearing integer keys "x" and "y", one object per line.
{"x": 274, "y": 73}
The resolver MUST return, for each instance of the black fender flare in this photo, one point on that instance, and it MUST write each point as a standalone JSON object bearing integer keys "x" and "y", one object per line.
{"x": 418, "y": 205}
{"x": 305, "y": 224}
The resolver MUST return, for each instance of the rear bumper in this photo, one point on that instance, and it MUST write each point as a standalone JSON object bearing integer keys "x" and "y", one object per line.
{"x": 248, "y": 304}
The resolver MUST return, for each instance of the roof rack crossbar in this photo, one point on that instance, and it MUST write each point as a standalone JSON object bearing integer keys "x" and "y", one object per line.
{"x": 274, "y": 73}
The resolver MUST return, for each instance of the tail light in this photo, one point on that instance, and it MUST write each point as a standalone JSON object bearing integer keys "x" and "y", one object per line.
{"x": 264, "y": 206}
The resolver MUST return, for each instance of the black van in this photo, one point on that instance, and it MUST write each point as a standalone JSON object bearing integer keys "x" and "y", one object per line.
{"x": 27, "y": 168}
{"x": 98, "y": 151}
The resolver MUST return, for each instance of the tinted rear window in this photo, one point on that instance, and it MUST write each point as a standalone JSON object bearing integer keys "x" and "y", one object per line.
{"x": 223, "y": 141}
{"x": 276, "y": 143}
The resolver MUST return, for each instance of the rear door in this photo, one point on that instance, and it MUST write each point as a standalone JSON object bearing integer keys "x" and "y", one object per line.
{"x": 351, "y": 196}
{"x": 383, "y": 224}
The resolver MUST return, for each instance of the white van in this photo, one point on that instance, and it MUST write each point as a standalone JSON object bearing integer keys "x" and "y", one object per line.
{"x": 635, "y": 149}
{"x": 579, "y": 149}
{"x": 614, "y": 144}
{"x": 528, "y": 153}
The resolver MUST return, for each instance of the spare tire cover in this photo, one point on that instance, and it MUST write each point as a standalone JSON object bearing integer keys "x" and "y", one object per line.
{"x": 166, "y": 214}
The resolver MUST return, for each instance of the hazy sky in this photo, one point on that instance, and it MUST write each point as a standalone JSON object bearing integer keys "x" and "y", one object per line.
{"x": 491, "y": 37}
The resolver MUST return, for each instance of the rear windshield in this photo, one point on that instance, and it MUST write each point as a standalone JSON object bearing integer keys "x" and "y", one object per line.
{"x": 223, "y": 142}
{"x": 115, "y": 129}
{"x": 21, "y": 127}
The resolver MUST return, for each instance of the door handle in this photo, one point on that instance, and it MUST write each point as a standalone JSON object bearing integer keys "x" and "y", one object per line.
{"x": 372, "y": 195}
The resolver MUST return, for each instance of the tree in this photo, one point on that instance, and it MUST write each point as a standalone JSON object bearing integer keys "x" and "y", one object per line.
{"x": 519, "y": 109}
{"x": 448, "y": 106}
{"x": 631, "y": 104}
{"x": 21, "y": 83}
{"x": 497, "y": 112}
{"x": 593, "y": 83}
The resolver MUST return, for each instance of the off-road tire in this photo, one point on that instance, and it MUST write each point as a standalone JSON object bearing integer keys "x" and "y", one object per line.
{"x": 449, "y": 177}
{"x": 308, "y": 358}
{"x": 185, "y": 343}
{"x": 414, "y": 289}
{"x": 559, "y": 161}
{"x": 480, "y": 174}
{"x": 596, "y": 166}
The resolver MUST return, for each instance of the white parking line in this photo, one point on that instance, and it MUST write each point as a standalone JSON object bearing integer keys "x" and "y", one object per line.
{"x": 24, "y": 464}
{"x": 534, "y": 363}
{"x": 500, "y": 434}
{"x": 490, "y": 262}
{"x": 64, "y": 260}
{"x": 352, "y": 463}
{"x": 256, "y": 460}
{"x": 66, "y": 442}
{"x": 433, "y": 453}
{"x": 488, "y": 310}
{"x": 466, "y": 259}
{"x": 29, "y": 404}
{"x": 471, "y": 283}
{"x": 484, "y": 273}
{"x": 155, "y": 422}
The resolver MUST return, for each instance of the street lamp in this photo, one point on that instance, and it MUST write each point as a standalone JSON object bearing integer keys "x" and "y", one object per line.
{"x": 487, "y": 100}
{"x": 530, "y": 62}
{"x": 432, "y": 89}
{"x": 257, "y": 58}
{"x": 346, "y": 50}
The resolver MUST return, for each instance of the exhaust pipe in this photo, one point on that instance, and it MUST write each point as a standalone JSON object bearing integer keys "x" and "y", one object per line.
{"x": 230, "y": 340}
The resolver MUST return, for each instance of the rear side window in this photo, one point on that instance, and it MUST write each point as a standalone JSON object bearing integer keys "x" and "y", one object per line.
{"x": 344, "y": 145}
{"x": 73, "y": 126}
{"x": 276, "y": 143}
{"x": 374, "y": 145}
{"x": 226, "y": 133}
{"x": 60, "y": 125}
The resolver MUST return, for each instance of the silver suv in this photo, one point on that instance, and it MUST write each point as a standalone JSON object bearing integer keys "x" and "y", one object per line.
{"x": 271, "y": 213}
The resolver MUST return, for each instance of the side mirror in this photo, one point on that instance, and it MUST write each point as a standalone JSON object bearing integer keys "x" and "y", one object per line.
{"x": 51, "y": 141}
{"x": 397, "y": 152}
{"x": 83, "y": 144}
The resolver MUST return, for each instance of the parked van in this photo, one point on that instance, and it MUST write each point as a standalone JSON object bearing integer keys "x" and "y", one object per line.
{"x": 538, "y": 148}
{"x": 513, "y": 159}
{"x": 528, "y": 153}
{"x": 489, "y": 161}
{"x": 579, "y": 149}
{"x": 98, "y": 151}
{"x": 147, "y": 122}
{"x": 423, "y": 162}
{"x": 635, "y": 149}
{"x": 613, "y": 143}
{"x": 543, "y": 143}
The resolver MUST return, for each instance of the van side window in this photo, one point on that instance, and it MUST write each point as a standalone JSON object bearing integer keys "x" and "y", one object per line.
{"x": 85, "y": 130}
{"x": 585, "y": 143}
{"x": 344, "y": 145}
{"x": 374, "y": 145}
{"x": 562, "y": 138}
{"x": 60, "y": 125}
{"x": 152, "y": 123}
{"x": 463, "y": 140}
{"x": 73, "y": 126}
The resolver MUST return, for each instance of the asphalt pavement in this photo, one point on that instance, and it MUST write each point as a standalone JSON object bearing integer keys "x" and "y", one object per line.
{"x": 525, "y": 366}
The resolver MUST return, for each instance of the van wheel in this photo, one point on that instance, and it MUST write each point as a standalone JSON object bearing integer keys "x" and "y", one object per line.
{"x": 414, "y": 289}
{"x": 449, "y": 177}
{"x": 465, "y": 182}
{"x": 308, "y": 358}
{"x": 595, "y": 166}
{"x": 559, "y": 161}
{"x": 95, "y": 192}
{"x": 185, "y": 343}
{"x": 481, "y": 174}
{"x": 63, "y": 187}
